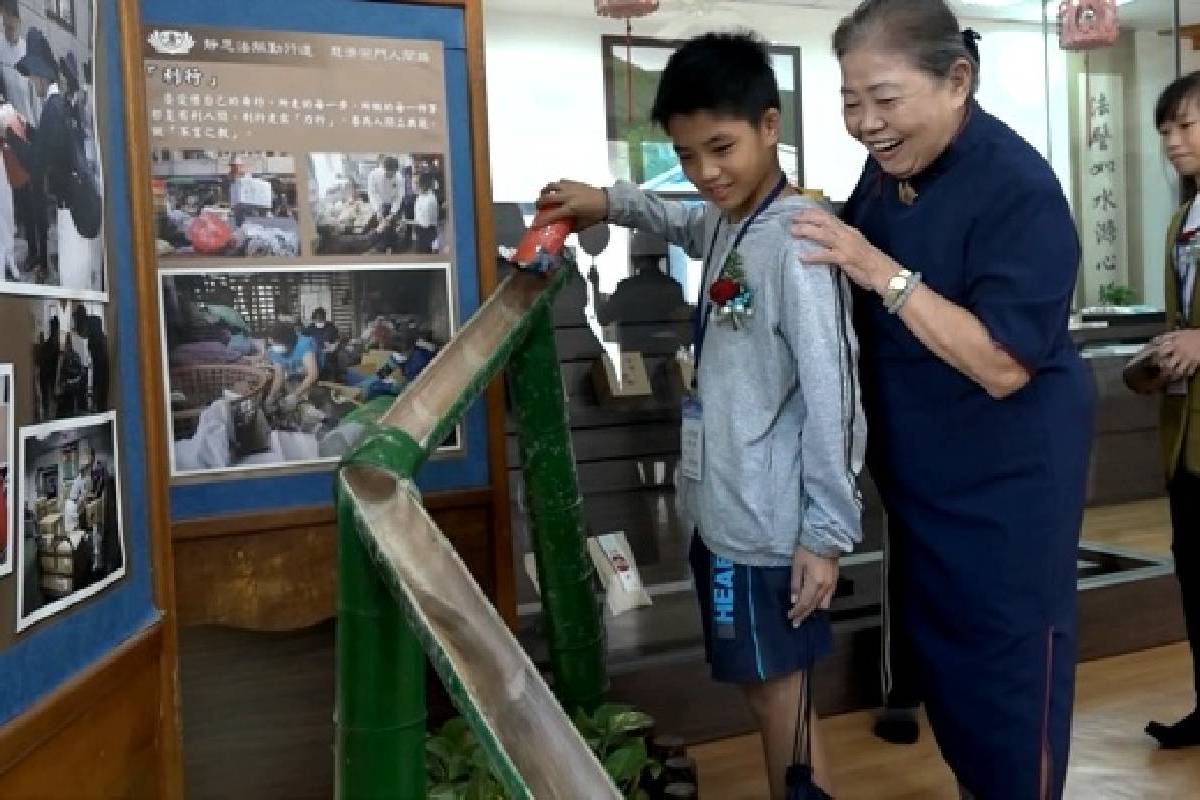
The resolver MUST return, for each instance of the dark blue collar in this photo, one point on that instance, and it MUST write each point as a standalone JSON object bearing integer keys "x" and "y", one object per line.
{"x": 974, "y": 130}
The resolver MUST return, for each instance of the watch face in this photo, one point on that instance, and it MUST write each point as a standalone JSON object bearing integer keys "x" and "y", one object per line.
{"x": 898, "y": 283}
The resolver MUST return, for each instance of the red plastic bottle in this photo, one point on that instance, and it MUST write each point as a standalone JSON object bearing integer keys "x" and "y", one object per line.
{"x": 541, "y": 237}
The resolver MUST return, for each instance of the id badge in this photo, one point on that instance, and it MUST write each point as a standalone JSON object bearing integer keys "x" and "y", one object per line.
{"x": 691, "y": 456}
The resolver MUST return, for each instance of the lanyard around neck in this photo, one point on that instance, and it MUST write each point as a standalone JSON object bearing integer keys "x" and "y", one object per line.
{"x": 700, "y": 319}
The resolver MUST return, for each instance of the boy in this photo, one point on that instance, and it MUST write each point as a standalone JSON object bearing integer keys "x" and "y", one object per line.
{"x": 773, "y": 436}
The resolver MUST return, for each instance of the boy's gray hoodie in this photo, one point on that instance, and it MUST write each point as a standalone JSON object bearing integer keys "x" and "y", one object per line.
{"x": 784, "y": 431}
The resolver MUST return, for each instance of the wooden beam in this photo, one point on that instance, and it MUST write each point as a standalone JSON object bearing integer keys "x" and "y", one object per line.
{"x": 306, "y": 516}
{"x": 154, "y": 425}
{"x": 505, "y": 598}
{"x": 1191, "y": 32}
{"x": 37, "y": 736}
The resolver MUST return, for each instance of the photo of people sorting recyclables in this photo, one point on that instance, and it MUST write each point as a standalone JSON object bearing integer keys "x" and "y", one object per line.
{"x": 263, "y": 365}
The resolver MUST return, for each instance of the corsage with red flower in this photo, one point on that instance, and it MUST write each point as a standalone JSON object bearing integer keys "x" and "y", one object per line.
{"x": 732, "y": 299}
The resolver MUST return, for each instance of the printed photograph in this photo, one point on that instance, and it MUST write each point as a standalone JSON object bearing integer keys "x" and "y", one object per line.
{"x": 227, "y": 204}
{"x": 6, "y": 449}
{"x": 263, "y": 364}
{"x": 391, "y": 203}
{"x": 70, "y": 359}
{"x": 72, "y": 545}
{"x": 51, "y": 183}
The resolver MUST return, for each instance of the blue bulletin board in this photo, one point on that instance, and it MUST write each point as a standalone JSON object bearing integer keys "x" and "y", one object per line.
{"x": 39, "y": 659}
{"x": 44, "y": 657}
{"x": 468, "y": 468}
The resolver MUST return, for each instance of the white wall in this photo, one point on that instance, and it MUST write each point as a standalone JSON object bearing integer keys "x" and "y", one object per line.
{"x": 546, "y": 92}
{"x": 1189, "y": 56}
{"x": 547, "y": 114}
{"x": 1157, "y": 187}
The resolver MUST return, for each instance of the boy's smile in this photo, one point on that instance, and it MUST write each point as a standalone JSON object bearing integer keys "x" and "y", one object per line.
{"x": 732, "y": 163}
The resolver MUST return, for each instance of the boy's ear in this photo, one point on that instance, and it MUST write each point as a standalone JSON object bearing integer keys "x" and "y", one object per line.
{"x": 769, "y": 125}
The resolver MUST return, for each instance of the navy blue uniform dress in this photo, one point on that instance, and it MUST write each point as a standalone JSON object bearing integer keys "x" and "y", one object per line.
{"x": 984, "y": 496}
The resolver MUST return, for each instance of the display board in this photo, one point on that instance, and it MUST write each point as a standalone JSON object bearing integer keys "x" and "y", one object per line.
{"x": 76, "y": 568}
{"x": 315, "y": 235}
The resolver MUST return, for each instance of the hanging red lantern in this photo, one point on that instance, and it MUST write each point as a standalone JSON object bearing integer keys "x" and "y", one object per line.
{"x": 626, "y": 9}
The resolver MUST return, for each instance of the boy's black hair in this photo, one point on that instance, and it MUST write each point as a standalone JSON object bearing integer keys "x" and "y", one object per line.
{"x": 728, "y": 74}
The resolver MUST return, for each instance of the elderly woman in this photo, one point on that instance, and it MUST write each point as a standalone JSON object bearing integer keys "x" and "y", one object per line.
{"x": 965, "y": 255}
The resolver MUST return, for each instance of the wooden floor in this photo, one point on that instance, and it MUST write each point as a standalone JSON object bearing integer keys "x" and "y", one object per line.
{"x": 257, "y": 714}
{"x": 1111, "y": 759}
{"x": 1143, "y": 526}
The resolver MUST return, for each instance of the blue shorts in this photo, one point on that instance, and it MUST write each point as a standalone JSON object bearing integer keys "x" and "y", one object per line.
{"x": 747, "y": 635}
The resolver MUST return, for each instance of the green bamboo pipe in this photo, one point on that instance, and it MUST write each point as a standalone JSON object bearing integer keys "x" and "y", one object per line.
{"x": 380, "y": 695}
{"x": 380, "y": 717}
{"x": 380, "y": 702}
{"x": 565, "y": 572}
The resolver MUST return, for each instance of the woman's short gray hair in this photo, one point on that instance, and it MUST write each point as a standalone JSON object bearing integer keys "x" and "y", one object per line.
{"x": 924, "y": 30}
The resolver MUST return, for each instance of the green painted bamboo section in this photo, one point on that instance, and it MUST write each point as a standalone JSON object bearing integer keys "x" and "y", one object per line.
{"x": 413, "y": 780}
{"x": 565, "y": 572}
{"x": 380, "y": 715}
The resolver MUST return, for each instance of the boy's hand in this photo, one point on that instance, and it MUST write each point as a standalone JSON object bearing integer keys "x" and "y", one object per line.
{"x": 813, "y": 582}
{"x": 563, "y": 199}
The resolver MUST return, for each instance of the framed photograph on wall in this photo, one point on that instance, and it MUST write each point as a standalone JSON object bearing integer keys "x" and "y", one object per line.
{"x": 225, "y": 203}
{"x": 72, "y": 373}
{"x": 379, "y": 203}
{"x": 72, "y": 544}
{"x": 263, "y": 364}
{"x": 640, "y": 151}
{"x": 52, "y": 184}
{"x": 7, "y": 420}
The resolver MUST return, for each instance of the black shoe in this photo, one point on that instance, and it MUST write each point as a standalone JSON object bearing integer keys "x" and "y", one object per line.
{"x": 898, "y": 726}
{"x": 1185, "y": 733}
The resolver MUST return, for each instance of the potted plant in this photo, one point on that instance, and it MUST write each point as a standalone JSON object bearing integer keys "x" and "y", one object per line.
{"x": 457, "y": 767}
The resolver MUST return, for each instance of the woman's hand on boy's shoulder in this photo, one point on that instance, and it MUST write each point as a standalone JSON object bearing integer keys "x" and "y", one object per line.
{"x": 845, "y": 247}
{"x": 565, "y": 199}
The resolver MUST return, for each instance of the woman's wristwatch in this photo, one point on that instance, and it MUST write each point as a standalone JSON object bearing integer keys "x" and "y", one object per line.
{"x": 899, "y": 288}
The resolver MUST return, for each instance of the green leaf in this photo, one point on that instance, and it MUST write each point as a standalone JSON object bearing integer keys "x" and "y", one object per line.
{"x": 444, "y": 791}
{"x": 436, "y": 747}
{"x": 458, "y": 733}
{"x": 438, "y": 758}
{"x": 480, "y": 763}
{"x": 629, "y": 721}
{"x": 626, "y": 762}
{"x": 585, "y": 724}
{"x": 609, "y": 710}
{"x": 483, "y": 786}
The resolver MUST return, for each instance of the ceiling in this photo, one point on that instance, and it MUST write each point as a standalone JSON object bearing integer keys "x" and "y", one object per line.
{"x": 1139, "y": 14}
